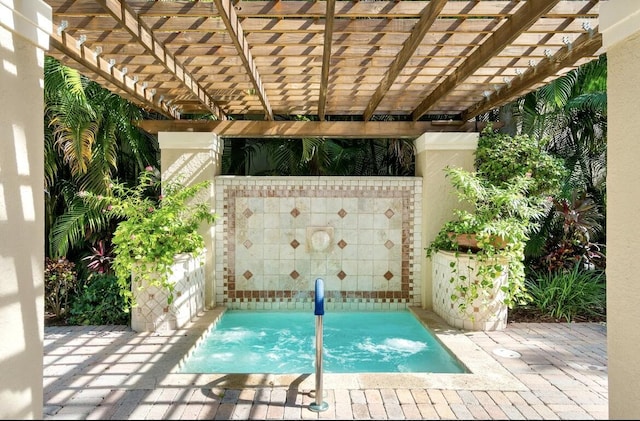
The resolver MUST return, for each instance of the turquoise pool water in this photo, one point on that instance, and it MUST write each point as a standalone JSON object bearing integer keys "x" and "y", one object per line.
{"x": 283, "y": 342}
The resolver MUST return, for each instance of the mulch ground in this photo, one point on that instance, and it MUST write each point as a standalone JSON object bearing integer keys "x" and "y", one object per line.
{"x": 533, "y": 315}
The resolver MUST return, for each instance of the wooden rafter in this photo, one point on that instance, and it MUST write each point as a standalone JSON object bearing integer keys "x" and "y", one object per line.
{"x": 230, "y": 18}
{"x": 77, "y": 51}
{"x": 129, "y": 20}
{"x": 387, "y": 9}
{"x": 526, "y": 16}
{"x": 326, "y": 57}
{"x": 429, "y": 15}
{"x": 327, "y": 60}
{"x": 585, "y": 45}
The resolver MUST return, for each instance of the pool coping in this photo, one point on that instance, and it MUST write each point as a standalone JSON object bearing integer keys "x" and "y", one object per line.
{"x": 485, "y": 372}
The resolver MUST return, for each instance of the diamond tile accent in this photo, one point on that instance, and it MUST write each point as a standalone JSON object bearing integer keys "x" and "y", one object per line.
{"x": 389, "y": 213}
{"x": 342, "y": 213}
{"x": 247, "y": 244}
{"x": 342, "y": 275}
{"x": 247, "y": 275}
{"x": 388, "y": 276}
{"x": 294, "y": 244}
{"x": 294, "y": 274}
{"x": 294, "y": 212}
{"x": 389, "y": 244}
{"x": 342, "y": 244}
{"x": 247, "y": 213}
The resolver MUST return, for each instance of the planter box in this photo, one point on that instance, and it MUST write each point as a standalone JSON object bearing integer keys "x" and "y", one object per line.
{"x": 152, "y": 313}
{"x": 484, "y": 316}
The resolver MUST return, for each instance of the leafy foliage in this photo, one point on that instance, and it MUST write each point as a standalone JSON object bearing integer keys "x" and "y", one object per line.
{"x": 153, "y": 228}
{"x": 60, "y": 283}
{"x": 572, "y": 112}
{"x": 99, "y": 302}
{"x": 101, "y": 258}
{"x": 565, "y": 294}
{"x": 505, "y": 199}
{"x": 575, "y": 222}
{"x": 89, "y": 140}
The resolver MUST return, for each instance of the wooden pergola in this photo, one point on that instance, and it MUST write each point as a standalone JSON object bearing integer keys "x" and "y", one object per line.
{"x": 348, "y": 65}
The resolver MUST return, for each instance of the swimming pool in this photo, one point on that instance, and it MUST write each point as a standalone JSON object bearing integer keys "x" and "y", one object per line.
{"x": 282, "y": 342}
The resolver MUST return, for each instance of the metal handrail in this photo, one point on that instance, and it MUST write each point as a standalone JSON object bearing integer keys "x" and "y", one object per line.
{"x": 318, "y": 311}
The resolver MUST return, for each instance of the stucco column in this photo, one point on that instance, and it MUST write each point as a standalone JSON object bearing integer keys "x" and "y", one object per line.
{"x": 620, "y": 27}
{"x": 434, "y": 152}
{"x": 24, "y": 37}
{"x": 193, "y": 157}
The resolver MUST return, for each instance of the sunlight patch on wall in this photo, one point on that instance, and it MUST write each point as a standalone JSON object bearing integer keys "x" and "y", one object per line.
{"x": 6, "y": 39}
{"x": 3, "y": 205}
{"x": 22, "y": 154}
{"x": 10, "y": 67}
{"x": 28, "y": 207}
{"x": 9, "y": 275}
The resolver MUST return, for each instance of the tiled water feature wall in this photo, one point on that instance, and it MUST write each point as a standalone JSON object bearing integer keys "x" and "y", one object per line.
{"x": 276, "y": 235}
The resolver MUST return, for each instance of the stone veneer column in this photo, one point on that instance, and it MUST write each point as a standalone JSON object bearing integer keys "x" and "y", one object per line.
{"x": 24, "y": 37}
{"x": 620, "y": 26}
{"x": 435, "y": 151}
{"x": 195, "y": 157}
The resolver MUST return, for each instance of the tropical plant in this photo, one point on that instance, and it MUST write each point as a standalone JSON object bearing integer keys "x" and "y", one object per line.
{"x": 60, "y": 283}
{"x": 575, "y": 222}
{"x": 153, "y": 228}
{"x": 100, "y": 259}
{"x": 572, "y": 112}
{"x": 567, "y": 294}
{"x": 90, "y": 139}
{"x": 99, "y": 302}
{"x": 504, "y": 200}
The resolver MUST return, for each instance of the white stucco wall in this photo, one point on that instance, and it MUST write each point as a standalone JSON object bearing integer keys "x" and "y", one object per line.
{"x": 435, "y": 151}
{"x": 194, "y": 157}
{"x": 620, "y": 26}
{"x": 24, "y": 34}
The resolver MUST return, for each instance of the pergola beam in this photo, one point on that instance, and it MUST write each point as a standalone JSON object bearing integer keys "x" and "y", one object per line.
{"x": 231, "y": 21}
{"x": 129, "y": 20}
{"x": 585, "y": 45}
{"x": 326, "y": 58}
{"x": 429, "y": 15}
{"x": 388, "y": 9}
{"x": 526, "y": 16}
{"x": 303, "y": 129}
{"x": 88, "y": 59}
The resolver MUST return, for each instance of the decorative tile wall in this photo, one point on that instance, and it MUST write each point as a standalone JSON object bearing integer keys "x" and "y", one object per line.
{"x": 276, "y": 235}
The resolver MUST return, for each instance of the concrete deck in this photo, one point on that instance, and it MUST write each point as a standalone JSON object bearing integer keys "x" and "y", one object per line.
{"x": 527, "y": 371}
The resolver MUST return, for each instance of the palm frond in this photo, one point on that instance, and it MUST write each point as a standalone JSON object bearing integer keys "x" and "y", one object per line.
{"x": 595, "y": 102}
{"x": 557, "y": 92}
{"x": 70, "y": 228}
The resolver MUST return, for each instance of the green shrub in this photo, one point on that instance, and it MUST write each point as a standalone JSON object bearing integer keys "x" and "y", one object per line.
{"x": 99, "y": 302}
{"x": 60, "y": 282}
{"x": 152, "y": 230}
{"x": 566, "y": 294}
{"x": 505, "y": 199}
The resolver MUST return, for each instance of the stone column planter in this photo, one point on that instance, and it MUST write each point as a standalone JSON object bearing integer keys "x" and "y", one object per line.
{"x": 479, "y": 315}
{"x": 152, "y": 313}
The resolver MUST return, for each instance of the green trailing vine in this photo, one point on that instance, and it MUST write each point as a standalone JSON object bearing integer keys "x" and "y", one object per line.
{"x": 504, "y": 199}
{"x": 152, "y": 228}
